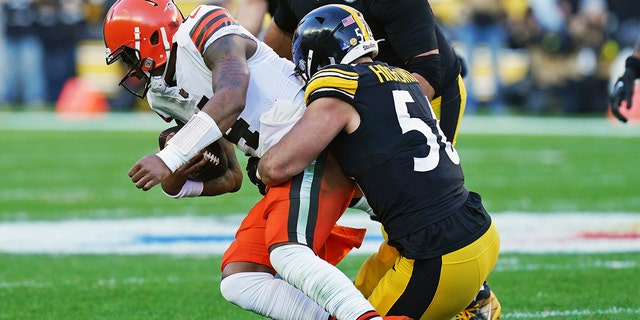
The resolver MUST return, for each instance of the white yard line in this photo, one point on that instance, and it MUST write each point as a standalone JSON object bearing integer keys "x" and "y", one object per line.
{"x": 559, "y": 314}
{"x": 519, "y": 232}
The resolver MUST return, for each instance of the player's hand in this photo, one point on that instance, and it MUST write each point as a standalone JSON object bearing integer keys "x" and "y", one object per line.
{"x": 622, "y": 91}
{"x": 173, "y": 183}
{"x": 252, "y": 168}
{"x": 624, "y": 87}
{"x": 149, "y": 171}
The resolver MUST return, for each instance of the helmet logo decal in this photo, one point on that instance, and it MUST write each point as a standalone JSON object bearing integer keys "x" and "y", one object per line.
{"x": 353, "y": 41}
{"x": 302, "y": 65}
{"x": 148, "y": 63}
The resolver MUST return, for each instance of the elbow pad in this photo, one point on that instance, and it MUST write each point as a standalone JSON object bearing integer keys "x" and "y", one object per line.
{"x": 431, "y": 68}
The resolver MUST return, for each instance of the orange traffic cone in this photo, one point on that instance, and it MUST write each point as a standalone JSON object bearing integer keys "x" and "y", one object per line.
{"x": 81, "y": 98}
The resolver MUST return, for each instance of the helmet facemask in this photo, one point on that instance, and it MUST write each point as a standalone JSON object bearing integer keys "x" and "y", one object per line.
{"x": 136, "y": 80}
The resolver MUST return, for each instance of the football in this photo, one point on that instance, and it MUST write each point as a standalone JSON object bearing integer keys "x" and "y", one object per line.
{"x": 214, "y": 153}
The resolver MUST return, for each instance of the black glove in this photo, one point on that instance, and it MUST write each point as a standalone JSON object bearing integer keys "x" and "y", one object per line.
{"x": 623, "y": 89}
{"x": 252, "y": 168}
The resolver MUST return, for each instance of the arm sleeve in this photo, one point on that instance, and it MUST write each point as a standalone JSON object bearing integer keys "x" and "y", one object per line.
{"x": 284, "y": 17}
{"x": 410, "y": 26}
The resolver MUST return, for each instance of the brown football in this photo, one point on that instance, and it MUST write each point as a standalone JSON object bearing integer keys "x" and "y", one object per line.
{"x": 214, "y": 152}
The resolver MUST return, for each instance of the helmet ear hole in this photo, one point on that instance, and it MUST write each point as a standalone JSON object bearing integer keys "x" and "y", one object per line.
{"x": 155, "y": 38}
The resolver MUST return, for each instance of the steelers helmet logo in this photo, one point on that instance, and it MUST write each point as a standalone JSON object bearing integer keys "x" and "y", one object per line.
{"x": 302, "y": 65}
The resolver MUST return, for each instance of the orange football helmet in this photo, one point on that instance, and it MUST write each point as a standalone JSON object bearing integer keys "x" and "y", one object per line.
{"x": 139, "y": 33}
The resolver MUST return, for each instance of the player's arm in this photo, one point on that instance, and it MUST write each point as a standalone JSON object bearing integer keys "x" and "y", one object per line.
{"x": 250, "y": 14}
{"x": 227, "y": 59}
{"x": 411, "y": 31}
{"x": 322, "y": 121}
{"x": 278, "y": 40}
{"x": 231, "y": 180}
{"x": 180, "y": 185}
{"x": 624, "y": 86}
{"x": 279, "y": 32}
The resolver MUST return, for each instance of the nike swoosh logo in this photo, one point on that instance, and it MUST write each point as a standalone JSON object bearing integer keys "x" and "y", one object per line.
{"x": 195, "y": 12}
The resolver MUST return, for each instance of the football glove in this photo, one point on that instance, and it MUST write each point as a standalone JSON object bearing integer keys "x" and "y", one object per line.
{"x": 171, "y": 102}
{"x": 252, "y": 168}
{"x": 623, "y": 89}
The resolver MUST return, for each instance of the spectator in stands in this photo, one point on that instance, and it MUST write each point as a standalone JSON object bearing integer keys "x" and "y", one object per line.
{"x": 61, "y": 27}
{"x": 484, "y": 27}
{"x": 24, "y": 82}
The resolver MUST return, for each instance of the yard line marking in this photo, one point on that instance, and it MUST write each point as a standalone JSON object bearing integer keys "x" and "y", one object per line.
{"x": 519, "y": 233}
{"x": 566, "y": 313}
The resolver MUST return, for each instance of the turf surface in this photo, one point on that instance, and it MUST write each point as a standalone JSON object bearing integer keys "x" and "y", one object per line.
{"x": 80, "y": 172}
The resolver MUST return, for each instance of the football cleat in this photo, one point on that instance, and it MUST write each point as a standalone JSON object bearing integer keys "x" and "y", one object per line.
{"x": 484, "y": 307}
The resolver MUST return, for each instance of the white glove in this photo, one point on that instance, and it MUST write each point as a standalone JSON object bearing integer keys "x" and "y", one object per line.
{"x": 169, "y": 102}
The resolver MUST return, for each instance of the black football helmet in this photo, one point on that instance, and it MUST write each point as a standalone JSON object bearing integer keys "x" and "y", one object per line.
{"x": 328, "y": 35}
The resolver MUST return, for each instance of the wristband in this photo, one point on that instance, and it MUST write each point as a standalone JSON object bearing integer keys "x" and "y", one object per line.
{"x": 190, "y": 188}
{"x": 199, "y": 132}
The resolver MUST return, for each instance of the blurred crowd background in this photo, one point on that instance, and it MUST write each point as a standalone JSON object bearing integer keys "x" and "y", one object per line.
{"x": 538, "y": 57}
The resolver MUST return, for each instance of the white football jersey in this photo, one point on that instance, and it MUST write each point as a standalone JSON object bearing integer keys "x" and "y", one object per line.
{"x": 272, "y": 78}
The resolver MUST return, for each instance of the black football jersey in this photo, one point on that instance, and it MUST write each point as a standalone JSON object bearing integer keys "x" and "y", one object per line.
{"x": 407, "y": 169}
{"x": 406, "y": 29}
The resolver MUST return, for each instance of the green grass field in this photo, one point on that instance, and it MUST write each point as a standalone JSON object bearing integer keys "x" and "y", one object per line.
{"x": 57, "y": 170}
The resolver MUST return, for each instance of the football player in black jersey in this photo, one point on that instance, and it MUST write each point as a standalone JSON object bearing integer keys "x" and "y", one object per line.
{"x": 378, "y": 123}
{"x": 412, "y": 40}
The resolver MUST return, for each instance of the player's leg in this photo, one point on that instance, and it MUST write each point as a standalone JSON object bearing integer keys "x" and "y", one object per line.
{"x": 437, "y": 288}
{"x": 299, "y": 223}
{"x": 248, "y": 278}
{"x": 449, "y": 109}
{"x": 375, "y": 267}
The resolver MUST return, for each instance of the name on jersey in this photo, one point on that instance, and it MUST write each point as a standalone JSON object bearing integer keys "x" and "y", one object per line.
{"x": 386, "y": 74}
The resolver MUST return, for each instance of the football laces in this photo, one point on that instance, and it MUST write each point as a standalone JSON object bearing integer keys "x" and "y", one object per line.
{"x": 212, "y": 158}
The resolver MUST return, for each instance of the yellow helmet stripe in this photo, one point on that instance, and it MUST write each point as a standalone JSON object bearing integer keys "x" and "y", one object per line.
{"x": 359, "y": 19}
